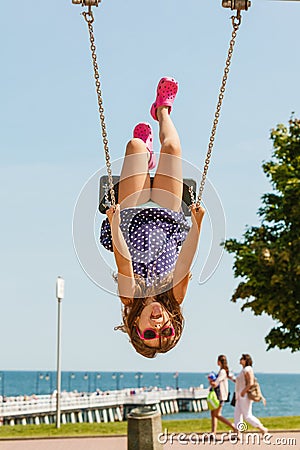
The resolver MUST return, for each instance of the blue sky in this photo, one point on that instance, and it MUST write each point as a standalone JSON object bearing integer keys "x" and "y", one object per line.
{"x": 50, "y": 146}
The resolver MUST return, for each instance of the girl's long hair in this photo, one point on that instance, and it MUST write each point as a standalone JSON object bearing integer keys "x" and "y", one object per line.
{"x": 224, "y": 364}
{"x": 131, "y": 313}
{"x": 248, "y": 359}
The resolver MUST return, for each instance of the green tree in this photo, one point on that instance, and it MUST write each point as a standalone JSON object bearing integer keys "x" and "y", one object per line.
{"x": 268, "y": 256}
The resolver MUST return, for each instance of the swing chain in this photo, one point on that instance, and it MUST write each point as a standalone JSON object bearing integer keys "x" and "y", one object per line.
{"x": 192, "y": 195}
{"x": 89, "y": 18}
{"x": 88, "y": 15}
{"x": 236, "y": 21}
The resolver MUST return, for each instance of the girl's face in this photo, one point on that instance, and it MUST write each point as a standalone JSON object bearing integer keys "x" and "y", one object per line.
{"x": 242, "y": 362}
{"x": 155, "y": 317}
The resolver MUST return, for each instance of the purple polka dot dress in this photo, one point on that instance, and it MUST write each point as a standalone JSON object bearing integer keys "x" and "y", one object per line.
{"x": 153, "y": 237}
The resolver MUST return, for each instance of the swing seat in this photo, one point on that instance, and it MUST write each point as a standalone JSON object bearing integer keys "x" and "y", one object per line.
{"x": 104, "y": 194}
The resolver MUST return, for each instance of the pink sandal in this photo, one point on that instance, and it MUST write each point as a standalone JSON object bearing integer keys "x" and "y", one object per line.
{"x": 143, "y": 131}
{"x": 166, "y": 92}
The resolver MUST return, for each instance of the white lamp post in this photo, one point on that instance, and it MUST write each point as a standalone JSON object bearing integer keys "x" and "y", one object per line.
{"x": 97, "y": 380}
{"x": 60, "y": 292}
{"x": 138, "y": 376}
{"x": 158, "y": 378}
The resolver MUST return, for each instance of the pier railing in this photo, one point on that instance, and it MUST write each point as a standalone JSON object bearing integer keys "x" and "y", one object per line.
{"x": 45, "y": 404}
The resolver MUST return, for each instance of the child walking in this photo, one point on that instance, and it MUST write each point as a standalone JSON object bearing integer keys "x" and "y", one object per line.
{"x": 153, "y": 244}
{"x": 220, "y": 384}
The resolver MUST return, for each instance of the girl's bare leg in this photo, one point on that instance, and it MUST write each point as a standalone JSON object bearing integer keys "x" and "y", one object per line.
{"x": 167, "y": 184}
{"x": 134, "y": 185}
{"x": 218, "y": 416}
{"x": 214, "y": 422}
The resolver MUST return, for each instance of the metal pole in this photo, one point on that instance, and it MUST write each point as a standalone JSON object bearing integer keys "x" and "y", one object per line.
{"x": 121, "y": 375}
{"x": 58, "y": 373}
{"x": 97, "y": 377}
{"x": 158, "y": 378}
{"x": 51, "y": 385}
{"x": 114, "y": 377}
{"x": 176, "y": 375}
{"x": 59, "y": 296}
{"x": 86, "y": 377}
{"x": 71, "y": 377}
{"x": 2, "y": 384}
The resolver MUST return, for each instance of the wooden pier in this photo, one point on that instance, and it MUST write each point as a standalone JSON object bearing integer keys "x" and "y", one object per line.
{"x": 97, "y": 407}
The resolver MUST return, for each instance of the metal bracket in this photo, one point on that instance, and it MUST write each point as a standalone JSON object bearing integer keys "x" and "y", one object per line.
{"x": 86, "y": 2}
{"x": 105, "y": 196}
{"x": 238, "y": 5}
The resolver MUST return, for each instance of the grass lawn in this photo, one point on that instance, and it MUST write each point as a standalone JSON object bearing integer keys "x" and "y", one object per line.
{"x": 120, "y": 428}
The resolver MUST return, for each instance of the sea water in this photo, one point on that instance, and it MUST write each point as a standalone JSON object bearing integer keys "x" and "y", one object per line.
{"x": 280, "y": 390}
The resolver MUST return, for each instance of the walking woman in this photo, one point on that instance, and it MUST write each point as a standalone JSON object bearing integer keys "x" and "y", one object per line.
{"x": 243, "y": 405}
{"x": 221, "y": 387}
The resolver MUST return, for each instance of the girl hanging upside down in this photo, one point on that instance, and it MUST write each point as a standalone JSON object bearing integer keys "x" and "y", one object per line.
{"x": 152, "y": 242}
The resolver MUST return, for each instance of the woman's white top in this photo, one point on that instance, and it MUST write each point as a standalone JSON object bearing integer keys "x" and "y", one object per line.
{"x": 222, "y": 382}
{"x": 240, "y": 382}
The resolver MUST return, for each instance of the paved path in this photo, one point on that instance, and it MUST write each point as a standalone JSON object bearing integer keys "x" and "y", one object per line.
{"x": 103, "y": 443}
{"x": 290, "y": 440}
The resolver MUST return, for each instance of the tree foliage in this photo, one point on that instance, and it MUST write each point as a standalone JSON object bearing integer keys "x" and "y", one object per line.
{"x": 268, "y": 256}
